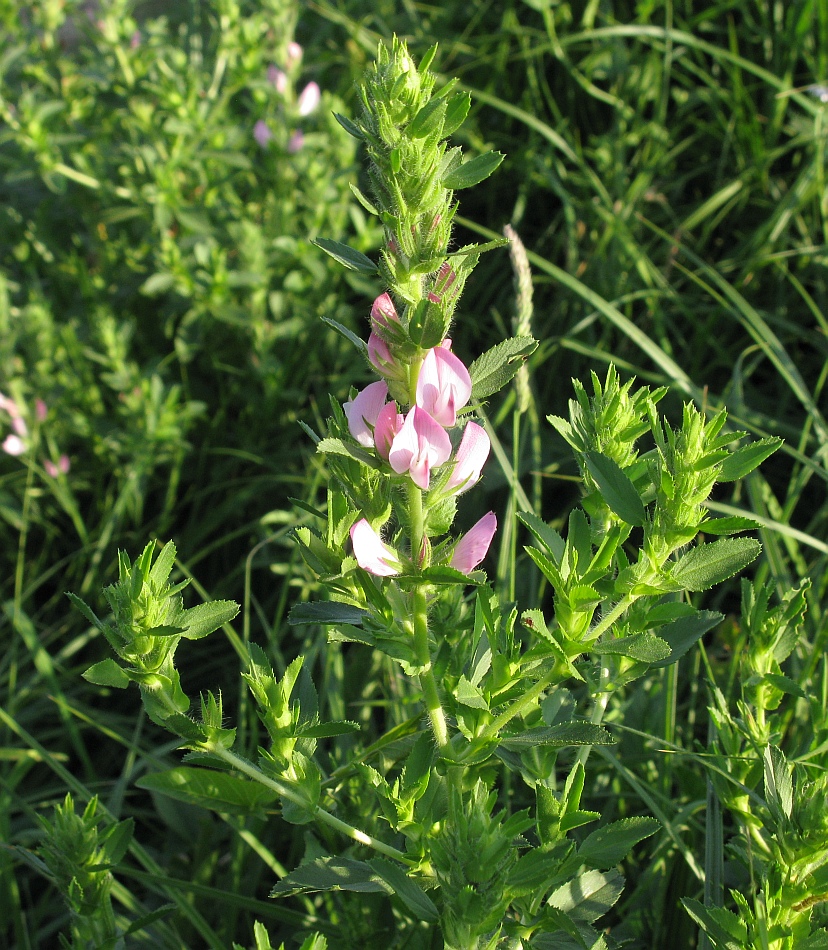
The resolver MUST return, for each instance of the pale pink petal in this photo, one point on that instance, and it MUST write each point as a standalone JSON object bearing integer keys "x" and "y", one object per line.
{"x": 13, "y": 445}
{"x": 294, "y": 53}
{"x": 277, "y": 79}
{"x": 443, "y": 386}
{"x": 384, "y": 315}
{"x": 9, "y": 405}
{"x": 64, "y": 464}
{"x": 296, "y": 142}
{"x": 41, "y": 410}
{"x": 370, "y": 553}
{"x": 470, "y": 458}
{"x": 51, "y": 468}
{"x": 308, "y": 99}
{"x": 474, "y": 545}
{"x": 261, "y": 133}
{"x": 363, "y": 410}
{"x": 420, "y": 445}
{"x": 389, "y": 423}
{"x": 19, "y": 426}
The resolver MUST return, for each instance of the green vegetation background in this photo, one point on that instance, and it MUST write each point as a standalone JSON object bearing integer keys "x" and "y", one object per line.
{"x": 160, "y": 294}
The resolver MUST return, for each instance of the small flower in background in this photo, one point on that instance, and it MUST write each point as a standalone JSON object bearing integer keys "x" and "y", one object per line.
{"x": 818, "y": 92}
{"x": 295, "y": 142}
{"x": 277, "y": 78}
{"x": 294, "y": 54}
{"x": 41, "y": 410}
{"x": 309, "y": 99}
{"x": 14, "y": 445}
{"x": 474, "y": 545}
{"x": 135, "y": 40}
{"x": 19, "y": 426}
{"x": 262, "y": 133}
{"x": 62, "y": 467}
{"x": 370, "y": 552}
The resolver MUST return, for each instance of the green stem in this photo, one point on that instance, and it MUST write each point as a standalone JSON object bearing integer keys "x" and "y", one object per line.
{"x": 428, "y": 683}
{"x": 520, "y": 706}
{"x": 285, "y": 791}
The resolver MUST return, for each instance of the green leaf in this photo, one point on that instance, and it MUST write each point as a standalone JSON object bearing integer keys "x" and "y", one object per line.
{"x": 608, "y": 846}
{"x": 331, "y": 874}
{"x": 445, "y": 575}
{"x": 589, "y": 895}
{"x": 351, "y": 337}
{"x": 616, "y": 488}
{"x": 456, "y": 112}
{"x": 474, "y": 171}
{"x": 786, "y": 685}
{"x": 327, "y": 730}
{"x": 493, "y": 369}
{"x": 350, "y": 127}
{"x": 349, "y": 256}
{"x": 470, "y": 695}
{"x": 680, "y": 634}
{"x": 408, "y": 891}
{"x": 338, "y": 447}
{"x": 746, "y": 459}
{"x": 86, "y": 610}
{"x": 710, "y": 564}
{"x": 548, "y": 537}
{"x": 183, "y": 726}
{"x": 778, "y": 783}
{"x": 158, "y": 914}
{"x": 427, "y": 119}
{"x": 360, "y": 197}
{"x": 160, "y": 570}
{"x": 564, "y": 734}
{"x": 732, "y": 525}
{"x": 644, "y": 647}
{"x": 157, "y": 284}
{"x": 428, "y": 324}
{"x": 220, "y": 791}
{"x": 721, "y": 925}
{"x": 205, "y": 618}
{"x": 326, "y": 612}
{"x": 107, "y": 673}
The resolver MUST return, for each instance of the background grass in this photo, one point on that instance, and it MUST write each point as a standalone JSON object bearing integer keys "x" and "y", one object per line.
{"x": 158, "y": 291}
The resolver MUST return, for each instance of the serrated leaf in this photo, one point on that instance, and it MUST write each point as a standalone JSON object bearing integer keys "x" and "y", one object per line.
{"x": 643, "y": 647}
{"x": 786, "y": 685}
{"x": 326, "y": 612}
{"x": 183, "y": 726}
{"x": 608, "y": 846}
{"x": 474, "y": 171}
{"x": 327, "y": 730}
{"x": 546, "y": 536}
{"x": 720, "y": 924}
{"x": 445, "y": 575}
{"x": 616, "y": 488}
{"x": 205, "y": 618}
{"x": 107, "y": 673}
{"x": 331, "y": 874}
{"x": 349, "y": 256}
{"x": 350, "y": 337}
{"x": 219, "y": 791}
{"x": 408, "y": 891}
{"x": 710, "y": 564}
{"x": 160, "y": 570}
{"x": 85, "y": 609}
{"x": 493, "y": 369}
{"x": 589, "y": 895}
{"x": 469, "y": 695}
{"x": 332, "y": 446}
{"x": 744, "y": 460}
{"x": 680, "y": 634}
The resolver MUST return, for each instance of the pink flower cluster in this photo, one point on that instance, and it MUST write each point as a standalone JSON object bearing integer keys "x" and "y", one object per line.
{"x": 307, "y": 102}
{"x": 417, "y": 442}
{"x": 17, "y": 441}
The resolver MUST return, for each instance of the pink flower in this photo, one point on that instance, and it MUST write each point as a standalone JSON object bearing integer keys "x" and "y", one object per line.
{"x": 277, "y": 79}
{"x": 383, "y": 360}
{"x": 474, "y": 545}
{"x": 384, "y": 318}
{"x": 9, "y": 406}
{"x": 13, "y": 445}
{"x": 262, "y": 133}
{"x": 370, "y": 552}
{"x": 389, "y": 422}
{"x": 296, "y": 142}
{"x": 308, "y": 99}
{"x": 363, "y": 410}
{"x": 294, "y": 53}
{"x": 62, "y": 466}
{"x": 443, "y": 386}
{"x": 19, "y": 426}
{"x": 470, "y": 458}
{"x": 41, "y": 410}
{"x": 420, "y": 445}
